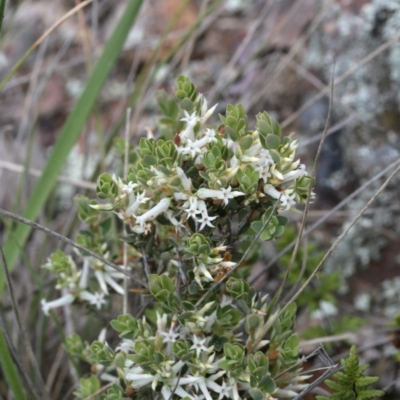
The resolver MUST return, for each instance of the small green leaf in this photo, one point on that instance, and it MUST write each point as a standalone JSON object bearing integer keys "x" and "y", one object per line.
{"x": 272, "y": 141}
{"x": 257, "y": 394}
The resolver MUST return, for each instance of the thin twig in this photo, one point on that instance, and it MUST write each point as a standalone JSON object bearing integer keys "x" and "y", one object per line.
{"x": 303, "y": 222}
{"x": 319, "y": 380}
{"x": 302, "y": 271}
{"x": 105, "y": 387}
{"x": 242, "y": 240}
{"x": 365, "y": 347}
{"x": 320, "y": 85}
{"x": 58, "y": 361}
{"x": 326, "y": 217}
{"x": 331, "y": 249}
{"x": 41, "y": 39}
{"x": 341, "y": 78}
{"x": 190, "y": 43}
{"x": 181, "y": 271}
{"x": 335, "y": 128}
{"x": 29, "y": 386}
{"x": 269, "y": 77}
{"x": 22, "y": 330}
{"x": 146, "y": 78}
{"x": 70, "y": 242}
{"x": 242, "y": 223}
{"x": 350, "y": 336}
{"x": 10, "y": 166}
{"x": 176, "y": 385}
{"x": 233, "y": 269}
{"x": 300, "y": 362}
{"x": 84, "y": 35}
{"x": 228, "y": 69}
{"x": 125, "y": 249}
{"x": 145, "y": 263}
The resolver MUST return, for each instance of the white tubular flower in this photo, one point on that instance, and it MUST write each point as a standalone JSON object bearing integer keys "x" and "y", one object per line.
{"x": 180, "y": 196}
{"x": 128, "y": 188}
{"x": 277, "y": 176}
{"x": 62, "y": 301}
{"x": 287, "y": 197}
{"x": 126, "y": 345}
{"x": 224, "y": 391}
{"x": 170, "y": 336}
{"x": 191, "y": 121}
{"x": 106, "y": 276}
{"x": 83, "y": 281}
{"x": 208, "y": 138}
{"x": 222, "y": 194}
{"x": 191, "y": 147}
{"x": 208, "y": 113}
{"x": 209, "y": 383}
{"x": 96, "y": 299}
{"x": 154, "y": 212}
{"x": 263, "y": 164}
{"x": 294, "y": 144}
{"x": 202, "y": 273}
{"x": 198, "y": 345}
{"x": 186, "y": 182}
{"x": 135, "y": 200}
{"x": 166, "y": 392}
{"x": 210, "y": 133}
{"x": 161, "y": 322}
{"x": 234, "y": 392}
{"x": 292, "y": 175}
{"x": 205, "y": 218}
{"x": 178, "y": 224}
{"x": 285, "y": 394}
{"x": 192, "y": 210}
{"x": 102, "y": 335}
{"x": 161, "y": 178}
{"x": 228, "y": 194}
{"x": 210, "y": 366}
{"x": 138, "y": 380}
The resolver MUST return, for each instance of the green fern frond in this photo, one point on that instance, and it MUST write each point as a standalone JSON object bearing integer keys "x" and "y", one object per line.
{"x": 351, "y": 384}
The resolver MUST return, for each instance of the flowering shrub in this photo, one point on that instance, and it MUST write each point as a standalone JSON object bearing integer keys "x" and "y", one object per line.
{"x": 192, "y": 205}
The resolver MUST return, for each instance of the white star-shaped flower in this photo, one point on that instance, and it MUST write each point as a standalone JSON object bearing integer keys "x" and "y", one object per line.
{"x": 128, "y": 188}
{"x": 170, "y": 336}
{"x": 96, "y": 299}
{"x": 224, "y": 391}
{"x": 198, "y": 345}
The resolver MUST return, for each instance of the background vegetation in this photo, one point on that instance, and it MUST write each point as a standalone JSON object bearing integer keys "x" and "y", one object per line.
{"x": 70, "y": 69}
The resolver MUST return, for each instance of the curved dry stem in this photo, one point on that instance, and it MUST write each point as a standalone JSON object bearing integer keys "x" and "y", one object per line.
{"x": 45, "y": 395}
{"x": 10, "y": 166}
{"x": 41, "y": 39}
{"x": 303, "y": 222}
{"x": 103, "y": 389}
{"x": 18, "y": 362}
{"x": 341, "y": 79}
{"x": 125, "y": 248}
{"x": 70, "y": 242}
{"x": 326, "y": 217}
{"x": 331, "y": 249}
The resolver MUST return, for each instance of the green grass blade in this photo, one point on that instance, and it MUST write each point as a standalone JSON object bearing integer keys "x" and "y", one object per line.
{"x": 69, "y": 134}
{"x": 9, "y": 371}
